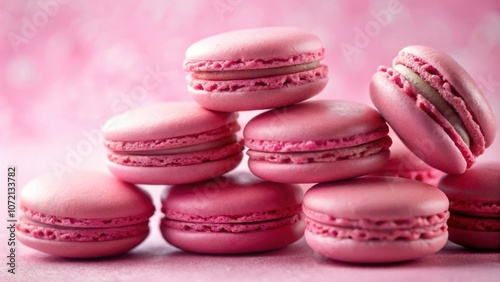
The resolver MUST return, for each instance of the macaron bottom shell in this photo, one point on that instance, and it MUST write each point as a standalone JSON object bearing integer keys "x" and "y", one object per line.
{"x": 257, "y": 100}
{"x": 174, "y": 174}
{"x": 374, "y": 251}
{"x": 82, "y": 249}
{"x": 318, "y": 172}
{"x": 234, "y": 243}
{"x": 475, "y": 239}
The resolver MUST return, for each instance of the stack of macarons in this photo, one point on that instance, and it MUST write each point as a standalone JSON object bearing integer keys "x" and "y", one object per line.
{"x": 429, "y": 101}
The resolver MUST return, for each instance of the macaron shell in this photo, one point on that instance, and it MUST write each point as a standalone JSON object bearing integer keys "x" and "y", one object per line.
{"x": 318, "y": 172}
{"x": 83, "y": 194}
{"x": 375, "y": 251}
{"x": 403, "y": 163}
{"x": 174, "y": 174}
{"x": 461, "y": 81}
{"x": 254, "y": 100}
{"x": 425, "y": 138}
{"x": 234, "y": 243}
{"x": 476, "y": 192}
{"x": 277, "y": 124}
{"x": 475, "y": 239}
{"x": 375, "y": 198}
{"x": 267, "y": 47}
{"x": 164, "y": 120}
{"x": 237, "y": 194}
{"x": 82, "y": 249}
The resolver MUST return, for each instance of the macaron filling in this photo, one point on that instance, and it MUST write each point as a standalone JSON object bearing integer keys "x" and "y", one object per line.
{"x": 420, "y": 227}
{"x": 332, "y": 155}
{"x": 43, "y": 231}
{"x": 257, "y": 221}
{"x": 42, "y": 218}
{"x": 434, "y": 113}
{"x": 433, "y": 96}
{"x": 150, "y": 159}
{"x": 174, "y": 142}
{"x": 315, "y": 145}
{"x": 231, "y": 227}
{"x": 188, "y": 149}
{"x": 294, "y": 79}
{"x": 254, "y": 73}
{"x": 253, "y": 63}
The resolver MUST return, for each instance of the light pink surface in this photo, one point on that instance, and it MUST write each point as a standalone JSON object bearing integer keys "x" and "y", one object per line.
{"x": 88, "y": 63}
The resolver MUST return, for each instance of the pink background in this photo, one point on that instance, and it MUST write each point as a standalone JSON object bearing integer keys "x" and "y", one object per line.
{"x": 67, "y": 67}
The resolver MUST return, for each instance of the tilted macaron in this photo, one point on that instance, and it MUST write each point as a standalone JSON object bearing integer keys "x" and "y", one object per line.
{"x": 238, "y": 213}
{"x": 172, "y": 143}
{"x": 436, "y": 108}
{"x": 375, "y": 219}
{"x": 403, "y": 163}
{"x": 317, "y": 141}
{"x": 253, "y": 69}
{"x": 83, "y": 214}
{"x": 474, "y": 206}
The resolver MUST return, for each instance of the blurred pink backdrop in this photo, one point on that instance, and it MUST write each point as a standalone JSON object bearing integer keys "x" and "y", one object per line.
{"x": 67, "y": 66}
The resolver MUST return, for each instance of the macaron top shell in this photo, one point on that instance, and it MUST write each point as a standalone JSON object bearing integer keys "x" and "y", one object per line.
{"x": 317, "y": 120}
{"x": 256, "y": 48}
{"x": 85, "y": 194}
{"x": 164, "y": 120}
{"x": 477, "y": 190}
{"x": 457, "y": 81}
{"x": 236, "y": 194}
{"x": 376, "y": 198}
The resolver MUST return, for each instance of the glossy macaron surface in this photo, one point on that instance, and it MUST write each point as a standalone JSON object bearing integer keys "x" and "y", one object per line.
{"x": 83, "y": 214}
{"x": 256, "y": 48}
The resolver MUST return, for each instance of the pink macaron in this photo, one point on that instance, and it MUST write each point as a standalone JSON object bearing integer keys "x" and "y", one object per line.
{"x": 253, "y": 69}
{"x": 172, "y": 143}
{"x": 238, "y": 213}
{"x": 375, "y": 219}
{"x": 436, "y": 108}
{"x": 83, "y": 214}
{"x": 474, "y": 206}
{"x": 317, "y": 141}
{"x": 403, "y": 163}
